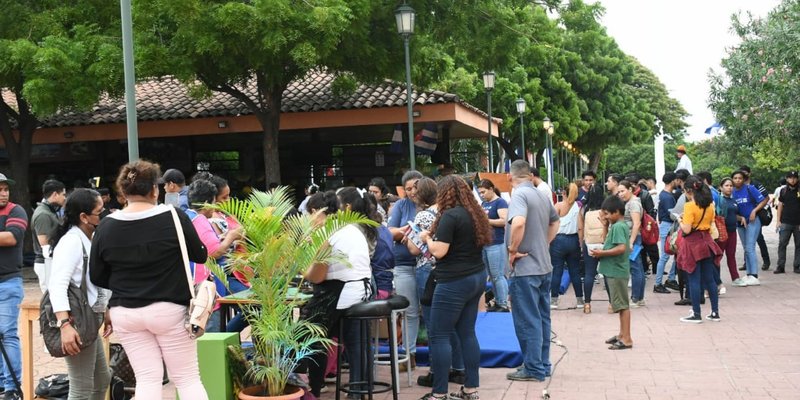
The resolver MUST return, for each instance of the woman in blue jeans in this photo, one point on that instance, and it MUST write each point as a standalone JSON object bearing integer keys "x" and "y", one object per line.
{"x": 495, "y": 255}
{"x": 633, "y": 218}
{"x": 456, "y": 238}
{"x": 749, "y": 202}
{"x": 592, "y": 237}
{"x": 565, "y": 249}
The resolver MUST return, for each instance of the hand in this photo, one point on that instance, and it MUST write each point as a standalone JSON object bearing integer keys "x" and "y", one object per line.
{"x": 513, "y": 256}
{"x": 108, "y": 328}
{"x": 752, "y": 216}
{"x": 237, "y": 233}
{"x": 743, "y": 221}
{"x": 70, "y": 340}
{"x": 424, "y": 236}
{"x": 594, "y": 253}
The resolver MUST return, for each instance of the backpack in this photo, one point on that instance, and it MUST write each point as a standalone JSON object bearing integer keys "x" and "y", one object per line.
{"x": 592, "y": 227}
{"x": 649, "y": 230}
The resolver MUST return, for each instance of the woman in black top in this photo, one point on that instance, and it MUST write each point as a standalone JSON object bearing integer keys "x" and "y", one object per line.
{"x": 460, "y": 232}
{"x": 135, "y": 253}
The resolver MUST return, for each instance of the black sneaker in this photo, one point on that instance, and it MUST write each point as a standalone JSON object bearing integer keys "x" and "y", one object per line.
{"x": 765, "y": 267}
{"x": 743, "y": 268}
{"x": 692, "y": 319}
{"x": 425, "y": 380}
{"x": 456, "y": 376}
{"x": 660, "y": 289}
{"x": 779, "y": 271}
{"x": 12, "y": 395}
{"x": 672, "y": 285}
{"x": 714, "y": 316}
{"x": 683, "y": 302}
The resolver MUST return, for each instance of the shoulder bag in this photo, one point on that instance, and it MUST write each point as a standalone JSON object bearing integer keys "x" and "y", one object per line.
{"x": 85, "y": 321}
{"x": 204, "y": 294}
{"x": 765, "y": 214}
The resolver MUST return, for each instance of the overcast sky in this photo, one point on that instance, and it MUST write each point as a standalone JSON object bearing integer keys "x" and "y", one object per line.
{"x": 680, "y": 40}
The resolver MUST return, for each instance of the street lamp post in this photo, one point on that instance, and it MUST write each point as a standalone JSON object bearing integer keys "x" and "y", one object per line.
{"x": 521, "y": 112}
{"x": 488, "y": 84}
{"x": 548, "y": 127}
{"x": 404, "y": 16}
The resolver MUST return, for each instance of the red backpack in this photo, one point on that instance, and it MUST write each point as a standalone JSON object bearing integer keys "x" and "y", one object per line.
{"x": 649, "y": 230}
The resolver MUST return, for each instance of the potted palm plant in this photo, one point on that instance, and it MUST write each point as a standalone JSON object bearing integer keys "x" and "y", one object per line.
{"x": 276, "y": 250}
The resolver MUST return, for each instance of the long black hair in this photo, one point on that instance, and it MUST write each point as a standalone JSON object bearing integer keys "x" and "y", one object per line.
{"x": 323, "y": 200}
{"x": 364, "y": 203}
{"x": 701, "y": 194}
{"x": 80, "y": 201}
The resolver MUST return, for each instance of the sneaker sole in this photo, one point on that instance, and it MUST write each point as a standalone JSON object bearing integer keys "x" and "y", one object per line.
{"x": 692, "y": 321}
{"x": 713, "y": 319}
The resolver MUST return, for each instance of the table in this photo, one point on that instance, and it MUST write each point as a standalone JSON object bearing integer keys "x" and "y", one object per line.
{"x": 244, "y": 297}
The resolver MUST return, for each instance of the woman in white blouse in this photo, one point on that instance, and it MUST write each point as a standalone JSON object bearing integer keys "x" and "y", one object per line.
{"x": 89, "y": 375}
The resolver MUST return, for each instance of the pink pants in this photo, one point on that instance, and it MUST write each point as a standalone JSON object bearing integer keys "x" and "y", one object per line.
{"x": 154, "y": 333}
{"x": 729, "y": 247}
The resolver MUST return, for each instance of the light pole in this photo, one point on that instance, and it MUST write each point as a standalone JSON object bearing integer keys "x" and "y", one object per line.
{"x": 488, "y": 84}
{"x": 404, "y": 16}
{"x": 130, "y": 80}
{"x": 548, "y": 127}
{"x": 521, "y": 111}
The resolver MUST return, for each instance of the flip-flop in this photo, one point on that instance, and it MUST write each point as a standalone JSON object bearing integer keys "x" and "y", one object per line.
{"x": 612, "y": 340}
{"x": 618, "y": 345}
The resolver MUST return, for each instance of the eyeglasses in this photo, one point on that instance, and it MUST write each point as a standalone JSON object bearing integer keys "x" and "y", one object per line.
{"x": 102, "y": 210}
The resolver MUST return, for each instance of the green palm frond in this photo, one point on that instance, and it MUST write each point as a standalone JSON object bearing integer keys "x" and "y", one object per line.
{"x": 278, "y": 248}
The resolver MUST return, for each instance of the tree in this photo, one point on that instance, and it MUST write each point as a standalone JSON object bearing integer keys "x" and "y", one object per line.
{"x": 53, "y": 56}
{"x": 755, "y": 95}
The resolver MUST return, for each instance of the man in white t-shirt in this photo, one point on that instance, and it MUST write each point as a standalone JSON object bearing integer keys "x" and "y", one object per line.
{"x": 683, "y": 159}
{"x": 541, "y": 185}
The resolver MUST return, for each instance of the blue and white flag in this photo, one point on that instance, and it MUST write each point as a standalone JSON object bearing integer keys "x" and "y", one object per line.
{"x": 397, "y": 140}
{"x": 425, "y": 140}
{"x": 713, "y": 129}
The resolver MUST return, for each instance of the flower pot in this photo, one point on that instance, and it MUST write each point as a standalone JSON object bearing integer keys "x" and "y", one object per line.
{"x": 257, "y": 393}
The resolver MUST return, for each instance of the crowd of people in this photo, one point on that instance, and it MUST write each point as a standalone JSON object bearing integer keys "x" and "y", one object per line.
{"x": 437, "y": 245}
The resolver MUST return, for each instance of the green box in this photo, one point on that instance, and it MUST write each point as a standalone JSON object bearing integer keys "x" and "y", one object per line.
{"x": 212, "y": 355}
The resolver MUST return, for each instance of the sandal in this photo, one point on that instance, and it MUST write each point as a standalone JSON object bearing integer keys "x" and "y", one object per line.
{"x": 461, "y": 394}
{"x": 587, "y": 308}
{"x": 612, "y": 340}
{"x": 618, "y": 345}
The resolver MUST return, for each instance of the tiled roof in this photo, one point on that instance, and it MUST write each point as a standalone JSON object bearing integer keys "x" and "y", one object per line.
{"x": 168, "y": 99}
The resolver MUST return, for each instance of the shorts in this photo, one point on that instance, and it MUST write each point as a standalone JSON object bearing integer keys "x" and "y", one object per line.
{"x": 618, "y": 293}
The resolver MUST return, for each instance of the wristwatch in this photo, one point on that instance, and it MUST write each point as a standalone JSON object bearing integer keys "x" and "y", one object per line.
{"x": 62, "y": 322}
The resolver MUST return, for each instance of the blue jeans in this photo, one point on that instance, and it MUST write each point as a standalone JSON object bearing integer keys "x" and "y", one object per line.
{"x": 496, "y": 258}
{"x": 702, "y": 278}
{"x": 663, "y": 231}
{"x": 405, "y": 284}
{"x": 637, "y": 274}
{"x": 10, "y": 298}
{"x": 454, "y": 311}
{"x": 455, "y": 343}
{"x": 749, "y": 236}
{"x": 590, "y": 263}
{"x": 565, "y": 250}
{"x": 531, "y": 298}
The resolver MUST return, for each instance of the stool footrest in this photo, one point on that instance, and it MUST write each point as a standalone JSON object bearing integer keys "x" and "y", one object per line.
{"x": 385, "y": 387}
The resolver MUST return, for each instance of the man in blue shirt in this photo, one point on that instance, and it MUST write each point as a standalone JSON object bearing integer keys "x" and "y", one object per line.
{"x": 666, "y": 202}
{"x": 405, "y": 274}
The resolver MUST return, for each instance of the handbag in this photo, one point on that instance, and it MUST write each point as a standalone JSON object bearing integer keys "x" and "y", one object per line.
{"x": 764, "y": 215}
{"x": 649, "y": 230}
{"x": 121, "y": 370}
{"x": 55, "y": 386}
{"x": 722, "y": 229}
{"x": 204, "y": 294}
{"x": 85, "y": 321}
{"x": 427, "y": 293}
{"x": 673, "y": 239}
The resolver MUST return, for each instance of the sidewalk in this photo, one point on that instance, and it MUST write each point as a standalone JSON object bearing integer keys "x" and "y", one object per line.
{"x": 753, "y": 353}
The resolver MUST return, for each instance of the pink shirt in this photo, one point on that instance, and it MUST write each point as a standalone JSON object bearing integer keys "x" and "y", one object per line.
{"x": 210, "y": 239}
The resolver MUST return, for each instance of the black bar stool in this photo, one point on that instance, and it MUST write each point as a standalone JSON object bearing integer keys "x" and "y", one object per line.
{"x": 364, "y": 313}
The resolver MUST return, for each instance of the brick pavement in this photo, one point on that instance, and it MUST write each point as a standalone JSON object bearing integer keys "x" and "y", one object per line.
{"x": 753, "y": 353}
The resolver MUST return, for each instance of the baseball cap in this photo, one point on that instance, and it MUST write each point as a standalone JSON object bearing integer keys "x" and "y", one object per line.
{"x": 682, "y": 149}
{"x": 792, "y": 174}
{"x": 4, "y": 179}
{"x": 172, "y": 175}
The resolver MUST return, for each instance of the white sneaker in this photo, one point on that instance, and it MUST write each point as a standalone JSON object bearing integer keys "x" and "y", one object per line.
{"x": 753, "y": 281}
{"x": 554, "y": 303}
{"x": 629, "y": 282}
{"x": 637, "y": 304}
{"x": 739, "y": 282}
{"x": 721, "y": 290}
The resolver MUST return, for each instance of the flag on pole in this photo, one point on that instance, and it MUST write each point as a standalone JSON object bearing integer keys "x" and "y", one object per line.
{"x": 397, "y": 140}
{"x": 425, "y": 140}
{"x": 713, "y": 129}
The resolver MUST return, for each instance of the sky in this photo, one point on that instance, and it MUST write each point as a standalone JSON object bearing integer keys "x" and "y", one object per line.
{"x": 680, "y": 40}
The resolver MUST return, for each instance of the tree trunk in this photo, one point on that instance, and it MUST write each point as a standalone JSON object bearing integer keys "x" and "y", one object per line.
{"x": 270, "y": 118}
{"x": 595, "y": 161}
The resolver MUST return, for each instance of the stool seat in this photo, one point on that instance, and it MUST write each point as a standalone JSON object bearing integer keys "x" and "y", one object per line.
{"x": 398, "y": 302}
{"x": 374, "y": 308}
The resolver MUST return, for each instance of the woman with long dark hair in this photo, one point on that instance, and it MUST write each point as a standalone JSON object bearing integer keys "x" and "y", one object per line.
{"x": 698, "y": 253}
{"x": 136, "y": 254}
{"x": 88, "y": 371}
{"x": 565, "y": 249}
{"x": 749, "y": 201}
{"x": 456, "y": 239}
{"x": 592, "y": 237}
{"x": 338, "y": 286}
{"x": 728, "y": 209}
{"x": 495, "y": 255}
{"x": 633, "y": 217}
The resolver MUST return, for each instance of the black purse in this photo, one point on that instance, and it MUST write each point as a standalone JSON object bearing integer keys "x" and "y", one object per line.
{"x": 84, "y": 319}
{"x": 427, "y": 293}
{"x": 764, "y": 215}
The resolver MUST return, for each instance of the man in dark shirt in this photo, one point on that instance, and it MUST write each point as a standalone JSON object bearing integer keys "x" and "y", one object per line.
{"x": 13, "y": 224}
{"x": 789, "y": 222}
{"x": 665, "y": 204}
{"x": 589, "y": 178}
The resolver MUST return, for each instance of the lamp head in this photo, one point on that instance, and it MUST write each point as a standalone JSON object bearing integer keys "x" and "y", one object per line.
{"x": 546, "y": 124}
{"x": 520, "y": 105}
{"x": 488, "y": 80}
{"x": 404, "y": 16}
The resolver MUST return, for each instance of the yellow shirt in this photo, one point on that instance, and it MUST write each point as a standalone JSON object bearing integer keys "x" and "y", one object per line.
{"x": 692, "y": 213}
